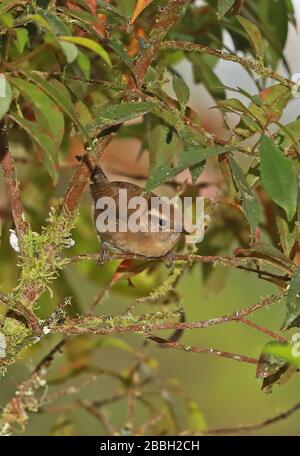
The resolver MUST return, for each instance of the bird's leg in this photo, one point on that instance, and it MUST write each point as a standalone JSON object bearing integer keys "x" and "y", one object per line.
{"x": 104, "y": 254}
{"x": 169, "y": 260}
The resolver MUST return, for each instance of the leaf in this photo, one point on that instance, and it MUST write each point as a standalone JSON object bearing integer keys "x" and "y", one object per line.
{"x": 117, "y": 46}
{"x": 59, "y": 96}
{"x": 293, "y": 303}
{"x": 251, "y": 206}
{"x": 5, "y": 95}
{"x": 115, "y": 114}
{"x": 70, "y": 51}
{"x": 287, "y": 231}
{"x": 187, "y": 159}
{"x": 58, "y": 26}
{"x": 84, "y": 64}
{"x": 43, "y": 140}
{"x": 290, "y": 135}
{"x": 254, "y": 35}
{"x": 7, "y": 20}
{"x": 164, "y": 145}
{"x": 224, "y": 6}
{"x": 89, "y": 44}
{"x": 182, "y": 91}
{"x": 203, "y": 73}
{"x": 278, "y": 176}
{"x": 139, "y": 8}
{"x": 196, "y": 418}
{"x": 267, "y": 252}
{"x": 21, "y": 38}
{"x": 49, "y": 115}
{"x": 41, "y": 21}
{"x": 272, "y": 368}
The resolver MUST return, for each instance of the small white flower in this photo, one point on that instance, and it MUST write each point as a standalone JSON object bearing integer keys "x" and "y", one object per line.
{"x": 46, "y": 330}
{"x": 14, "y": 241}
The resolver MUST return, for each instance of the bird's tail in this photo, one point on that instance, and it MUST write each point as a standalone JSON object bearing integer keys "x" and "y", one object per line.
{"x": 97, "y": 174}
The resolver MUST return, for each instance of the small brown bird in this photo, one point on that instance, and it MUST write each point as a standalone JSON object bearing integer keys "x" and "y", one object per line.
{"x": 143, "y": 243}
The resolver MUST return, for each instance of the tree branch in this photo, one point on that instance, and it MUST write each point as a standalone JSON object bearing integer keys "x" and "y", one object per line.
{"x": 252, "y": 64}
{"x": 13, "y": 187}
{"x": 255, "y": 426}
{"x": 83, "y": 325}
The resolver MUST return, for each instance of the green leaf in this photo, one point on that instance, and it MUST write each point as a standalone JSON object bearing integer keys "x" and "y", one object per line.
{"x": 38, "y": 19}
{"x": 189, "y": 158}
{"x": 164, "y": 144}
{"x": 292, "y": 318}
{"x": 115, "y": 114}
{"x": 117, "y": 46}
{"x": 224, "y": 6}
{"x": 21, "y": 38}
{"x": 272, "y": 368}
{"x": 290, "y": 135}
{"x": 254, "y": 35}
{"x": 251, "y": 205}
{"x": 182, "y": 91}
{"x": 287, "y": 231}
{"x": 89, "y": 44}
{"x": 203, "y": 73}
{"x": 70, "y": 51}
{"x": 59, "y": 97}
{"x": 7, "y": 20}
{"x": 5, "y": 95}
{"x": 49, "y": 115}
{"x": 279, "y": 177}
{"x": 197, "y": 421}
{"x": 57, "y": 25}
{"x": 43, "y": 140}
{"x": 84, "y": 64}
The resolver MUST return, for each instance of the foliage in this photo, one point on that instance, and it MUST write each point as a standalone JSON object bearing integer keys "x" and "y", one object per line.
{"x": 94, "y": 72}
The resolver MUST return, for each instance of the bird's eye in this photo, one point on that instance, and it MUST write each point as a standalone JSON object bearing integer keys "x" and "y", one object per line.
{"x": 163, "y": 222}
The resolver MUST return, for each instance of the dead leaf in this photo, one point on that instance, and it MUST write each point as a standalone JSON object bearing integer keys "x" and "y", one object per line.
{"x": 140, "y": 6}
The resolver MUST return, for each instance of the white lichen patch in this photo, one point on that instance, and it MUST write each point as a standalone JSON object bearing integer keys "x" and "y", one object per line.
{"x": 14, "y": 241}
{"x": 2, "y": 346}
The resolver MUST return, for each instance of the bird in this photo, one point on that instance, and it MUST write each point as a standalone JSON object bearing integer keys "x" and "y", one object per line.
{"x": 157, "y": 244}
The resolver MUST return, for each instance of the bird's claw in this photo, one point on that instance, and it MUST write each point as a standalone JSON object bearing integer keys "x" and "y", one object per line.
{"x": 169, "y": 260}
{"x": 103, "y": 255}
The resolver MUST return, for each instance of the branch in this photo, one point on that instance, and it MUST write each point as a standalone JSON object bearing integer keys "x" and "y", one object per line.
{"x": 235, "y": 262}
{"x": 82, "y": 325}
{"x": 168, "y": 17}
{"x": 255, "y": 426}
{"x": 204, "y": 350}
{"x": 252, "y": 64}
{"x": 12, "y": 184}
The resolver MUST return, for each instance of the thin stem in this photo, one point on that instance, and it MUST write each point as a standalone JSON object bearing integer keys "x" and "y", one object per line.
{"x": 81, "y": 325}
{"x": 12, "y": 184}
{"x": 256, "y": 426}
{"x": 236, "y": 262}
{"x": 252, "y": 64}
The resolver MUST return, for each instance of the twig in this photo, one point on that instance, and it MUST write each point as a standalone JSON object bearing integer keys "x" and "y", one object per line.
{"x": 204, "y": 350}
{"x": 75, "y": 326}
{"x": 90, "y": 408}
{"x": 12, "y": 184}
{"x": 236, "y": 262}
{"x": 262, "y": 329}
{"x": 252, "y": 64}
{"x": 255, "y": 426}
